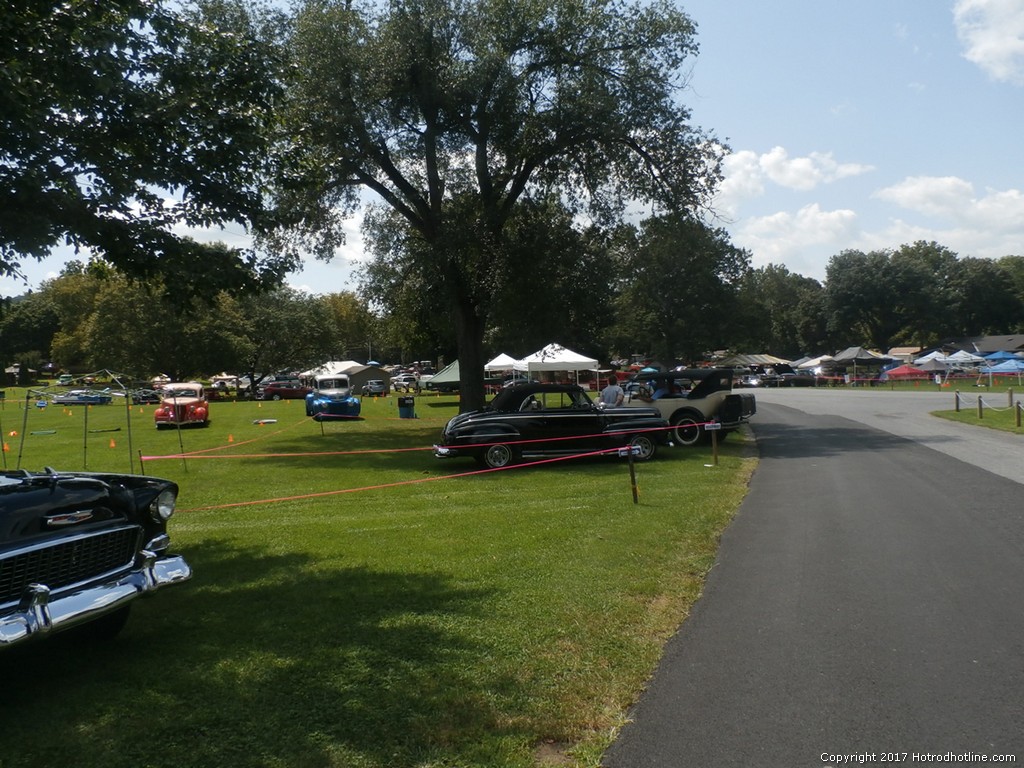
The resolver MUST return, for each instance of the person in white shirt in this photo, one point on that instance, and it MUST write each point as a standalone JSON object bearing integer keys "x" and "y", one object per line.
{"x": 612, "y": 394}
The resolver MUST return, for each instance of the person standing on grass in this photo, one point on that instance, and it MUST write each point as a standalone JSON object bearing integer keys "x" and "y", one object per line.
{"x": 612, "y": 394}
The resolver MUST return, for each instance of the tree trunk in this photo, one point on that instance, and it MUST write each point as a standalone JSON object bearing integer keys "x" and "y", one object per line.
{"x": 469, "y": 334}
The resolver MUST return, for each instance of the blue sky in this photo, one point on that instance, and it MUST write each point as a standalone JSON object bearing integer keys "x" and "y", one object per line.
{"x": 862, "y": 125}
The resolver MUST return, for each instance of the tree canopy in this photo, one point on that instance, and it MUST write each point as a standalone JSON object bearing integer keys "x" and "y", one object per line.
{"x": 452, "y": 112}
{"x": 125, "y": 120}
{"x": 918, "y": 294}
{"x": 679, "y": 280}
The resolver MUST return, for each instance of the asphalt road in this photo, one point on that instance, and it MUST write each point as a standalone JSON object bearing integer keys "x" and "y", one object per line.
{"x": 866, "y": 601}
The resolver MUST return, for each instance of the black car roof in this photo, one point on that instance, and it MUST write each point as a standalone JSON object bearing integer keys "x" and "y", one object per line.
{"x": 510, "y": 398}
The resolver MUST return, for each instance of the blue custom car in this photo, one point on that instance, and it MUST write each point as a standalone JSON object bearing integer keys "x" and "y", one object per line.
{"x": 531, "y": 420}
{"x": 332, "y": 398}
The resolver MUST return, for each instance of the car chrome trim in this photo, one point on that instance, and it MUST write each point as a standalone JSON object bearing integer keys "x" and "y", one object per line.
{"x": 40, "y": 612}
{"x": 71, "y": 518}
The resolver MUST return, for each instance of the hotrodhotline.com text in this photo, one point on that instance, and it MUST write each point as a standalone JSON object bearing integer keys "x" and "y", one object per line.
{"x": 860, "y": 758}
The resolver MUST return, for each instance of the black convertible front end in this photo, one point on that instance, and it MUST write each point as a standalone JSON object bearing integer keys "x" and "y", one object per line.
{"x": 77, "y": 548}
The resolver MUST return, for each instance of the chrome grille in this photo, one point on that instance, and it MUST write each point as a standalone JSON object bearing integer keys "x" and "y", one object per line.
{"x": 66, "y": 561}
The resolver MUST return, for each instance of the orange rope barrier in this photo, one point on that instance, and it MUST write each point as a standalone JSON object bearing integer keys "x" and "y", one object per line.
{"x": 395, "y": 484}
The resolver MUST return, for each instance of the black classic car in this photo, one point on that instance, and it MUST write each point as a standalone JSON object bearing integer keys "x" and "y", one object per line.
{"x": 531, "y": 420}
{"x": 692, "y": 398}
{"x": 76, "y": 548}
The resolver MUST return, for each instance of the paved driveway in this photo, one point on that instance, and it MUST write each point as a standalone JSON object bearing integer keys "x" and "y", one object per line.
{"x": 906, "y": 414}
{"x": 866, "y": 601}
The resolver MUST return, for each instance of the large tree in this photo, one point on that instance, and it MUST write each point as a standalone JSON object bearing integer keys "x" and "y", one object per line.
{"x": 451, "y": 112}
{"x": 124, "y": 119}
{"x": 880, "y": 298}
{"x": 680, "y": 280}
{"x": 555, "y": 285}
{"x": 983, "y": 299}
{"x": 781, "y": 312}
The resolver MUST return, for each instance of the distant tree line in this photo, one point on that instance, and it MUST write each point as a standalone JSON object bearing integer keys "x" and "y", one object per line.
{"x": 667, "y": 289}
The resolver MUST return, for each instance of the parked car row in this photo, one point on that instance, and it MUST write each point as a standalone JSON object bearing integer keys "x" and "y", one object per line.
{"x": 529, "y": 420}
{"x": 292, "y": 389}
{"x": 788, "y": 379}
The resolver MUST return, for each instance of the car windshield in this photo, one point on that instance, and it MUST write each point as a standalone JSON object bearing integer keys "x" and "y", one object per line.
{"x": 547, "y": 396}
{"x": 333, "y": 384}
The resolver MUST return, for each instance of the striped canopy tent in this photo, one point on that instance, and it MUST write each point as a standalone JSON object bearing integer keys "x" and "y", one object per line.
{"x": 963, "y": 357}
{"x": 742, "y": 361}
{"x": 815, "y": 362}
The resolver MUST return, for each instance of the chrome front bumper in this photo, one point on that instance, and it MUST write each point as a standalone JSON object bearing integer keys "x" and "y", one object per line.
{"x": 39, "y": 614}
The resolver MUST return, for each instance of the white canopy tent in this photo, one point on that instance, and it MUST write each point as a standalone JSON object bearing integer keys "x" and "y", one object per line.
{"x": 936, "y": 355}
{"x": 555, "y": 357}
{"x": 330, "y": 368}
{"x": 502, "y": 362}
{"x": 815, "y": 362}
{"x": 964, "y": 357}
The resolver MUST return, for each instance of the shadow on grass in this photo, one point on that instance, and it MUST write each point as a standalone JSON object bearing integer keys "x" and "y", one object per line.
{"x": 262, "y": 660}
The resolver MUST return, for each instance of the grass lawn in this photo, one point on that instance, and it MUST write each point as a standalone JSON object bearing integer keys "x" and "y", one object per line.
{"x": 357, "y": 602}
{"x": 996, "y": 413}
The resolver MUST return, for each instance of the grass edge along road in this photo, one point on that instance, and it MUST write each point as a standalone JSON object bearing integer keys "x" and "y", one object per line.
{"x": 992, "y": 410}
{"x": 502, "y": 619}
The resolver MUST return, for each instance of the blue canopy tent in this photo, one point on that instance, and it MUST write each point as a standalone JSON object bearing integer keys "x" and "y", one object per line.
{"x": 1006, "y": 368}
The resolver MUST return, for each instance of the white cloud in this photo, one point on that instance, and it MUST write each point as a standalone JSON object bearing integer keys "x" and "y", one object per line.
{"x": 806, "y": 173}
{"x": 747, "y": 173}
{"x": 743, "y": 180}
{"x": 954, "y": 200}
{"x": 992, "y": 33}
{"x": 797, "y": 239}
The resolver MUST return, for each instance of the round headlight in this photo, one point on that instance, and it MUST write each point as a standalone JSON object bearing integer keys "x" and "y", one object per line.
{"x": 163, "y": 506}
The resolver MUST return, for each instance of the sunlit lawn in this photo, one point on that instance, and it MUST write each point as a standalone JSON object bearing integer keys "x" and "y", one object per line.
{"x": 995, "y": 413}
{"x": 353, "y": 605}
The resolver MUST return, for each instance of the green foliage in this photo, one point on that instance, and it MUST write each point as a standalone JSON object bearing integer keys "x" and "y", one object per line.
{"x": 679, "y": 282}
{"x": 371, "y": 609}
{"x": 452, "y": 112}
{"x": 548, "y": 278}
{"x": 93, "y": 318}
{"x": 781, "y": 312}
{"x": 284, "y": 330}
{"x": 122, "y": 120}
{"x": 919, "y": 294}
{"x": 27, "y": 327}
